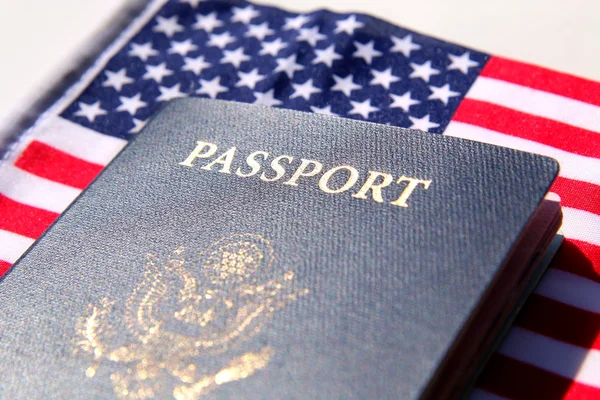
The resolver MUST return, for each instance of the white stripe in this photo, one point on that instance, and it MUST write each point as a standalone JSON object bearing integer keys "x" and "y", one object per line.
{"x": 536, "y": 102}
{"x": 570, "y": 289}
{"x": 479, "y": 394}
{"x": 26, "y": 188}
{"x": 572, "y": 166}
{"x": 78, "y": 140}
{"x": 581, "y": 225}
{"x": 572, "y": 362}
{"x": 12, "y": 246}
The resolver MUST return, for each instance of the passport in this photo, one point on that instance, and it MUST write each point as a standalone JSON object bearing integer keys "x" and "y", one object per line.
{"x": 240, "y": 251}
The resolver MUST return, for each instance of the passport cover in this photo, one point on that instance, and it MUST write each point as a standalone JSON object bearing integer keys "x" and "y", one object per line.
{"x": 239, "y": 251}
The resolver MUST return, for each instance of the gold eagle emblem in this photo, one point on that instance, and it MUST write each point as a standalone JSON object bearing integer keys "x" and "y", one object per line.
{"x": 174, "y": 323}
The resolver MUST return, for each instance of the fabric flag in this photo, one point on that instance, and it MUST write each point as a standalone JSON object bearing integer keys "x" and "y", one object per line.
{"x": 354, "y": 66}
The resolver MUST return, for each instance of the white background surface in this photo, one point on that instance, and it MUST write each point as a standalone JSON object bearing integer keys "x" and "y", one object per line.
{"x": 39, "y": 37}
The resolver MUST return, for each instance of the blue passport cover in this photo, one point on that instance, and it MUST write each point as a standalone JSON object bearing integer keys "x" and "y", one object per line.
{"x": 238, "y": 251}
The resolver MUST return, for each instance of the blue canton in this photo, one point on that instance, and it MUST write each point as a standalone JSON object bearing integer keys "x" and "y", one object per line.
{"x": 350, "y": 65}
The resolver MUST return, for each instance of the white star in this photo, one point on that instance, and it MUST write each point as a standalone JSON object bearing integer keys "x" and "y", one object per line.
{"x": 143, "y": 51}
{"x": 363, "y": 108}
{"x": 288, "y": 65}
{"x": 117, "y": 79}
{"x": 404, "y": 45}
{"x": 211, "y": 88}
{"x": 304, "y": 90}
{"x": 171, "y": 93}
{"x": 168, "y": 26}
{"x": 157, "y": 72}
{"x": 325, "y": 110}
{"x": 193, "y": 3}
{"x": 461, "y": 63}
{"x": 131, "y": 104}
{"x": 235, "y": 57}
{"x": 138, "y": 125}
{"x": 207, "y": 22}
{"x": 326, "y": 56}
{"x": 259, "y": 31}
{"x": 442, "y": 93}
{"x": 266, "y": 99}
{"x": 310, "y": 35}
{"x": 348, "y": 25}
{"x": 423, "y": 71}
{"x": 182, "y": 48}
{"x": 249, "y": 79}
{"x": 244, "y": 15}
{"x": 295, "y": 22}
{"x": 220, "y": 40}
{"x": 196, "y": 65}
{"x": 366, "y": 51}
{"x": 344, "y": 85}
{"x": 384, "y": 78}
{"x": 273, "y": 48}
{"x": 90, "y": 111}
{"x": 422, "y": 124}
{"x": 403, "y": 102}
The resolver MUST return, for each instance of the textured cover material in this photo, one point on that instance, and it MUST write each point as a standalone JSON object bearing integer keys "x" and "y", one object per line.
{"x": 165, "y": 279}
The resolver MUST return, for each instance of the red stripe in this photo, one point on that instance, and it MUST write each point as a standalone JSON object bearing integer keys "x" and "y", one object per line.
{"x": 519, "y": 124}
{"x": 577, "y": 194}
{"x": 4, "y": 267}
{"x": 516, "y": 380}
{"x": 58, "y": 166}
{"x": 23, "y": 219}
{"x": 561, "y": 322}
{"x": 578, "y": 258}
{"x": 543, "y": 79}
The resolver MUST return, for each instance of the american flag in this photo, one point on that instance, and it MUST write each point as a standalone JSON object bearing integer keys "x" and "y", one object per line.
{"x": 354, "y": 66}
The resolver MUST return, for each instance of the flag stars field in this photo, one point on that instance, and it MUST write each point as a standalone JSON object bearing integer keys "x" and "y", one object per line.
{"x": 295, "y": 46}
